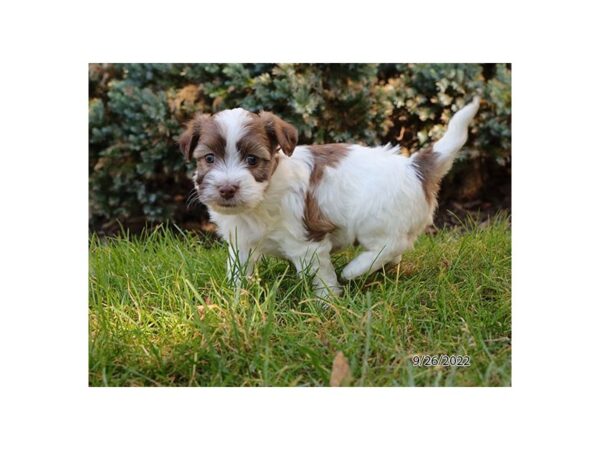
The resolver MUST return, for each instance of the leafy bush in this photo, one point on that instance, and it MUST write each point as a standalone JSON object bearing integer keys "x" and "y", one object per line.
{"x": 136, "y": 112}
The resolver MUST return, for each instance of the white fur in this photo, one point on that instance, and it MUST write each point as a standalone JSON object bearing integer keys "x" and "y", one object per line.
{"x": 456, "y": 136}
{"x": 373, "y": 196}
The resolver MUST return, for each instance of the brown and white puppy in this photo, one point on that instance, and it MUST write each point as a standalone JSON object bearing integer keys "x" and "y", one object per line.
{"x": 269, "y": 196}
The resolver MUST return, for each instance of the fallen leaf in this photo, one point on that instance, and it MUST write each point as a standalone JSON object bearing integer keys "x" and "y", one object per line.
{"x": 340, "y": 371}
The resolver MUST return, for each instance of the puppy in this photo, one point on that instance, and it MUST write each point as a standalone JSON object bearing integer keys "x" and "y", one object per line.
{"x": 269, "y": 196}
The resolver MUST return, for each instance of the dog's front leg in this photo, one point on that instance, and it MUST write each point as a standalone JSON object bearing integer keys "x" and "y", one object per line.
{"x": 240, "y": 263}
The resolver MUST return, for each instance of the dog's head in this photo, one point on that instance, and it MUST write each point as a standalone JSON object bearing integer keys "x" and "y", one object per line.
{"x": 236, "y": 154}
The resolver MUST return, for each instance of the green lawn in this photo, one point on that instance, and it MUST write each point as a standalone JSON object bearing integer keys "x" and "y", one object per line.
{"x": 161, "y": 314}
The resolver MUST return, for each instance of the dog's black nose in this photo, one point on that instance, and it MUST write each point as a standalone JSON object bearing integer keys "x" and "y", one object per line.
{"x": 228, "y": 191}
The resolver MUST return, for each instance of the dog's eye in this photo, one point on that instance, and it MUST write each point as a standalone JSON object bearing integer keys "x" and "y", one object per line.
{"x": 210, "y": 158}
{"x": 251, "y": 160}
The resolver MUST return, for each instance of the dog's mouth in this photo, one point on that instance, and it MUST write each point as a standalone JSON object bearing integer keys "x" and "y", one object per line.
{"x": 228, "y": 207}
{"x": 228, "y": 203}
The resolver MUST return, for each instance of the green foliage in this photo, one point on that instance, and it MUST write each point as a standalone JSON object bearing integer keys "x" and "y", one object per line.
{"x": 136, "y": 112}
{"x": 161, "y": 313}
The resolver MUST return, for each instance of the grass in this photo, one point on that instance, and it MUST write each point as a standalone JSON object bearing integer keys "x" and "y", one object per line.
{"x": 160, "y": 314}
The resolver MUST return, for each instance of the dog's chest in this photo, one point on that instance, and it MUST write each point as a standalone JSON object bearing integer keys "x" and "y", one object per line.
{"x": 277, "y": 237}
{"x": 274, "y": 244}
{"x": 269, "y": 232}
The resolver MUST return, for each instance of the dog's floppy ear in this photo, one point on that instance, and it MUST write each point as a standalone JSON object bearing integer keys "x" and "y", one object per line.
{"x": 280, "y": 132}
{"x": 189, "y": 138}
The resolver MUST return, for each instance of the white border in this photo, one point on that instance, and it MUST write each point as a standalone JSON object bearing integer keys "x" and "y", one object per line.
{"x": 46, "y": 402}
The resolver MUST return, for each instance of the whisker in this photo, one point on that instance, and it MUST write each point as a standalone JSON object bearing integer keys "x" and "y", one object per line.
{"x": 193, "y": 197}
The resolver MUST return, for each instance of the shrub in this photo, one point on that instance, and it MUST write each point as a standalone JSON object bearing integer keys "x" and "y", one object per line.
{"x": 136, "y": 112}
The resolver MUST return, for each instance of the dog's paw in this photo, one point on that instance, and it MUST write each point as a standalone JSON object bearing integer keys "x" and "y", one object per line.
{"x": 349, "y": 273}
{"x": 327, "y": 291}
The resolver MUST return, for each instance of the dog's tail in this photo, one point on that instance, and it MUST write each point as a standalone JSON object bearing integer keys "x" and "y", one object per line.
{"x": 434, "y": 162}
{"x": 455, "y": 137}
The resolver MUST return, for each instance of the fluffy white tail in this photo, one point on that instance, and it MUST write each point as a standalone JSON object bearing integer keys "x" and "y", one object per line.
{"x": 454, "y": 138}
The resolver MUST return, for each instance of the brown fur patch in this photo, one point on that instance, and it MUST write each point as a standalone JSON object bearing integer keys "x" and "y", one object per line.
{"x": 279, "y": 132}
{"x": 202, "y": 137}
{"x": 316, "y": 223}
{"x": 256, "y": 142}
{"x": 425, "y": 163}
{"x": 263, "y": 169}
{"x": 202, "y": 130}
{"x": 327, "y": 155}
{"x": 202, "y": 168}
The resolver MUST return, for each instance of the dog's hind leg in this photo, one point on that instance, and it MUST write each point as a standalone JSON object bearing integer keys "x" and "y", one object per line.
{"x": 409, "y": 242}
{"x": 368, "y": 261}
{"x": 374, "y": 258}
{"x": 396, "y": 260}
